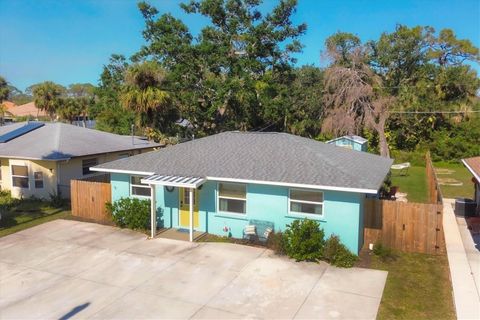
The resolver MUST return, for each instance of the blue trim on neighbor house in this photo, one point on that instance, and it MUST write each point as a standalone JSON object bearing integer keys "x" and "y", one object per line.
{"x": 343, "y": 211}
{"x": 346, "y": 142}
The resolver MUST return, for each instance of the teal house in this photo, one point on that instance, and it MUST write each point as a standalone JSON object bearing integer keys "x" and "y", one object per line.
{"x": 351, "y": 142}
{"x": 226, "y": 183}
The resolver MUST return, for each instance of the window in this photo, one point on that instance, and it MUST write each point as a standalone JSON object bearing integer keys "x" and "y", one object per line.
{"x": 38, "y": 177}
{"x": 123, "y": 155}
{"x": 232, "y": 197}
{"x": 87, "y": 163}
{"x": 139, "y": 189}
{"x": 306, "y": 201}
{"x": 20, "y": 176}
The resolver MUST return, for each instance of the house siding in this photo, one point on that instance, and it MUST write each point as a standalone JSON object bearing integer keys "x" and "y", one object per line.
{"x": 47, "y": 168}
{"x": 343, "y": 211}
{"x": 56, "y": 174}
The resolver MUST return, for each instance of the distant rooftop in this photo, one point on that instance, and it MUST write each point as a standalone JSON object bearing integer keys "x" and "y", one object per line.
{"x": 354, "y": 138}
{"x": 24, "y": 110}
{"x": 473, "y": 165}
{"x": 60, "y": 141}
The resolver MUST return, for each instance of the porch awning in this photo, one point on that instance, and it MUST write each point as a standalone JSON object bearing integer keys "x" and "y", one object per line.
{"x": 174, "y": 181}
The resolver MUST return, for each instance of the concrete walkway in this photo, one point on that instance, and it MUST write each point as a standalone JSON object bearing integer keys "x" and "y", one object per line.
{"x": 69, "y": 269}
{"x": 466, "y": 294}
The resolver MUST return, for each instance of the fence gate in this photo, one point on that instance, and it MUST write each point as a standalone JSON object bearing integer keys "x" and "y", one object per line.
{"x": 89, "y": 199}
{"x": 405, "y": 226}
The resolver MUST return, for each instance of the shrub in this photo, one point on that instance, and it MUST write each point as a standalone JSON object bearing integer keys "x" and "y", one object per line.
{"x": 276, "y": 242}
{"x": 304, "y": 240}
{"x": 56, "y": 200}
{"x": 6, "y": 200}
{"x": 131, "y": 213}
{"x": 337, "y": 254}
{"x": 383, "y": 252}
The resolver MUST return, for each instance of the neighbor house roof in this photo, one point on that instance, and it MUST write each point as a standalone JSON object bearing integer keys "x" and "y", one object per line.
{"x": 270, "y": 158}
{"x": 354, "y": 138}
{"x": 60, "y": 141}
{"x": 27, "y": 109}
{"x": 473, "y": 165}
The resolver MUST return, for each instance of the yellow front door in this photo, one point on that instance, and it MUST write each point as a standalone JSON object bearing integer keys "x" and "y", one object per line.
{"x": 184, "y": 219}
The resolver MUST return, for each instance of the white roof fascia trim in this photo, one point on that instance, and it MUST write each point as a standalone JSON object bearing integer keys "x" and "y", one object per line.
{"x": 348, "y": 138}
{"x": 296, "y": 185}
{"x": 32, "y": 158}
{"x": 471, "y": 170}
{"x": 144, "y": 173}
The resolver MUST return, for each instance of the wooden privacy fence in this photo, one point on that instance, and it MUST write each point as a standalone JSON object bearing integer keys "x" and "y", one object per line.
{"x": 89, "y": 199}
{"x": 434, "y": 192}
{"x": 405, "y": 226}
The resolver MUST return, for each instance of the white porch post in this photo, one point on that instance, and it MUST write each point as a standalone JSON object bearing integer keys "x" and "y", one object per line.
{"x": 153, "y": 211}
{"x": 190, "y": 206}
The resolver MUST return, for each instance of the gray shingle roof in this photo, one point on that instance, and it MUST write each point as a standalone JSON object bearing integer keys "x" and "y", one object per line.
{"x": 270, "y": 157}
{"x": 59, "y": 141}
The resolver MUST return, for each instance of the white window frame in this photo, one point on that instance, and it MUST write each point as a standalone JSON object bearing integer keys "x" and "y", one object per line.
{"x": 90, "y": 171}
{"x": 17, "y": 176}
{"x": 35, "y": 180}
{"x": 231, "y": 198}
{"x": 139, "y": 185}
{"x": 305, "y": 214}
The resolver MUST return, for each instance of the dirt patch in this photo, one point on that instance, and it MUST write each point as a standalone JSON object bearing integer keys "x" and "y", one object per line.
{"x": 444, "y": 171}
{"x": 365, "y": 259}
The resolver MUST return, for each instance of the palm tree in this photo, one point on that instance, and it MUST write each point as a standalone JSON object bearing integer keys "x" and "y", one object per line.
{"x": 142, "y": 91}
{"x": 4, "y": 92}
{"x": 70, "y": 108}
{"x": 47, "y": 96}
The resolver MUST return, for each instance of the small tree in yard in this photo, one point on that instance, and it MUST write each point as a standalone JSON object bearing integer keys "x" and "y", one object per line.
{"x": 304, "y": 240}
{"x": 131, "y": 213}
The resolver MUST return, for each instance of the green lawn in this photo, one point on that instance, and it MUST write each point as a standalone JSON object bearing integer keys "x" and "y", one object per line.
{"x": 17, "y": 215}
{"x": 458, "y": 172}
{"x": 414, "y": 184}
{"x": 418, "y": 287}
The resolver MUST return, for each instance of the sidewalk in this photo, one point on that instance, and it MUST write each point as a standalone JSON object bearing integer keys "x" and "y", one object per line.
{"x": 465, "y": 291}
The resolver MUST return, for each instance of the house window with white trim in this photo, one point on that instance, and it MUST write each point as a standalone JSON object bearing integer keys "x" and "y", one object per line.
{"x": 302, "y": 201}
{"x": 139, "y": 189}
{"x": 38, "y": 177}
{"x": 232, "y": 197}
{"x": 87, "y": 163}
{"x": 20, "y": 176}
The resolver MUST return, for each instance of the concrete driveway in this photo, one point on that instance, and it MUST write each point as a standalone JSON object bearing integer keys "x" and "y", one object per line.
{"x": 69, "y": 269}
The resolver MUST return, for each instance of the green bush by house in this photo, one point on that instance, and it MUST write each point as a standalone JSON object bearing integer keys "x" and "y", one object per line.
{"x": 130, "y": 213}
{"x": 337, "y": 254}
{"x": 304, "y": 240}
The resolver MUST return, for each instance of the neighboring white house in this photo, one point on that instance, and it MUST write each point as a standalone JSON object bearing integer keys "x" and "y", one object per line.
{"x": 39, "y": 159}
{"x": 473, "y": 165}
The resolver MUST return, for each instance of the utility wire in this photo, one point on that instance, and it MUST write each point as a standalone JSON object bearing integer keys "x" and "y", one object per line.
{"x": 434, "y": 112}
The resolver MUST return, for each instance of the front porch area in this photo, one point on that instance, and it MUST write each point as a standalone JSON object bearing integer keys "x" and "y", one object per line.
{"x": 179, "y": 234}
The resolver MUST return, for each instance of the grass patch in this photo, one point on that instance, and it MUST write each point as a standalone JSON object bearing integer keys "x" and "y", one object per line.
{"x": 414, "y": 184}
{"x": 418, "y": 287}
{"x": 459, "y": 173}
{"x": 17, "y": 215}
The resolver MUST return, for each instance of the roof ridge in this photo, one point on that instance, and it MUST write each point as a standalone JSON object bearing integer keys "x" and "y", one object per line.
{"x": 57, "y": 137}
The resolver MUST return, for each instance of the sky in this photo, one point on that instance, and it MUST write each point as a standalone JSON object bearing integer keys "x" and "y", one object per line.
{"x": 69, "y": 41}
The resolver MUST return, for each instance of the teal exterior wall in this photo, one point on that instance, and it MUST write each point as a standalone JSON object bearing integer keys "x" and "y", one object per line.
{"x": 120, "y": 184}
{"x": 343, "y": 211}
{"x": 352, "y": 144}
